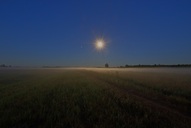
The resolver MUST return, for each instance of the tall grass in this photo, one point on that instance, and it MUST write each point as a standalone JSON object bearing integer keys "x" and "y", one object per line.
{"x": 76, "y": 98}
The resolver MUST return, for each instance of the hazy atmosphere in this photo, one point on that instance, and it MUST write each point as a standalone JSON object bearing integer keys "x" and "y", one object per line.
{"x": 95, "y": 63}
{"x": 36, "y": 33}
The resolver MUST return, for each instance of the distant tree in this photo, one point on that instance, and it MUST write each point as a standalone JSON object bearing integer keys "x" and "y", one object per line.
{"x": 3, "y": 65}
{"x": 126, "y": 65}
{"x": 106, "y": 65}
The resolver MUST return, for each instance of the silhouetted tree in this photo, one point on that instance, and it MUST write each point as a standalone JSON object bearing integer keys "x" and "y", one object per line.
{"x": 126, "y": 65}
{"x": 3, "y": 65}
{"x": 106, "y": 65}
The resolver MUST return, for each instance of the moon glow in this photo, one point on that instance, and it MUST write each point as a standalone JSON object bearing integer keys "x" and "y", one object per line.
{"x": 100, "y": 44}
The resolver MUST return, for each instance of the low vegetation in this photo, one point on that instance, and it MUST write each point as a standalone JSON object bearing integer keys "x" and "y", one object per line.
{"x": 91, "y": 98}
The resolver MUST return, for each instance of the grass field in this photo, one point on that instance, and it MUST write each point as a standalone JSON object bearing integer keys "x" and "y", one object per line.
{"x": 108, "y": 98}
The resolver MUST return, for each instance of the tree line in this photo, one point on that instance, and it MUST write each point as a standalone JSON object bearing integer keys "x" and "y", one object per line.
{"x": 4, "y": 65}
{"x": 157, "y": 65}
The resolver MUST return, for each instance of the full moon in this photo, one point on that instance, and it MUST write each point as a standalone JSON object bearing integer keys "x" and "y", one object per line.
{"x": 100, "y": 44}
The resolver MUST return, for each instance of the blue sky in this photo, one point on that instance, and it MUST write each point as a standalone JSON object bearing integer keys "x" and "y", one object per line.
{"x": 47, "y": 32}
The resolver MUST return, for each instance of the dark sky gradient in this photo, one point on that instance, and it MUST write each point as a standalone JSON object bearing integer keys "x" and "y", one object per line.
{"x": 43, "y": 32}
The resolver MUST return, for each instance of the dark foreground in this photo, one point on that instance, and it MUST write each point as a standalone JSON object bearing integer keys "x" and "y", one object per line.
{"x": 95, "y": 98}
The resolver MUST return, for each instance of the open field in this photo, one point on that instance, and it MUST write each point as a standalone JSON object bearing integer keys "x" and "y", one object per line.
{"x": 95, "y": 97}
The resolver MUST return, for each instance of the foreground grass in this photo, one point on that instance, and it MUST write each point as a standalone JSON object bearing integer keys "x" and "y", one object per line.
{"x": 78, "y": 98}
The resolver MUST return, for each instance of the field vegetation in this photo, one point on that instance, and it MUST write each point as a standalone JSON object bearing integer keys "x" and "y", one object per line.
{"x": 97, "y": 98}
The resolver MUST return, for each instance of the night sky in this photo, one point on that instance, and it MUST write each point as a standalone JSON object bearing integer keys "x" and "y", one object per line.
{"x": 63, "y": 33}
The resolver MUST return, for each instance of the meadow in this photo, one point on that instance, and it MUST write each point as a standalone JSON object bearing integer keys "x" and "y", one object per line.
{"x": 95, "y": 97}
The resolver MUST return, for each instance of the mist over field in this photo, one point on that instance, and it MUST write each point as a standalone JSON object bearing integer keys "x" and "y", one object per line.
{"x": 95, "y": 97}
